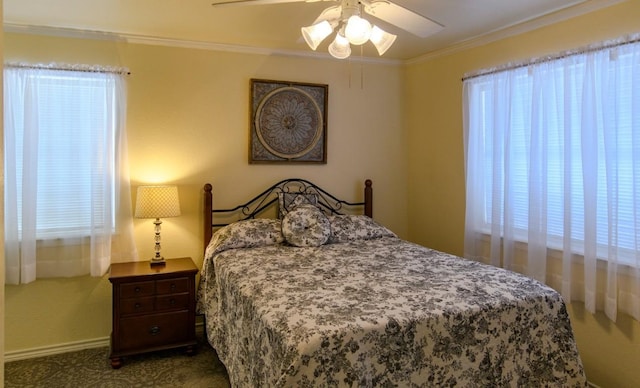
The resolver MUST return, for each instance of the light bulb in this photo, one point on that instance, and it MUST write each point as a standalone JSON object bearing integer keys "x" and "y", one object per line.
{"x": 316, "y": 33}
{"x": 340, "y": 47}
{"x": 358, "y": 30}
{"x": 381, "y": 39}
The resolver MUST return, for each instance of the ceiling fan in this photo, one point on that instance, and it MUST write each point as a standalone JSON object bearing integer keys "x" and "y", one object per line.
{"x": 346, "y": 18}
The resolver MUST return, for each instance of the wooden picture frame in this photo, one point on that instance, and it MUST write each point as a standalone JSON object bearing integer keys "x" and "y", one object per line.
{"x": 288, "y": 122}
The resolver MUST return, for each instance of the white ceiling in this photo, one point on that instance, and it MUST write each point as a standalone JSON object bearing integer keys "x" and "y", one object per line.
{"x": 276, "y": 27}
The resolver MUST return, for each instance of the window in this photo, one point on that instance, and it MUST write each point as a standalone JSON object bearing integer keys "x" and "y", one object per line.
{"x": 562, "y": 155}
{"x": 553, "y": 162}
{"x": 75, "y": 146}
{"x": 63, "y": 133}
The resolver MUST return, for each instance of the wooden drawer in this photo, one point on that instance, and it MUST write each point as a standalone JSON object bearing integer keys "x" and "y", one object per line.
{"x": 153, "y": 307}
{"x": 143, "y": 332}
{"x": 137, "y": 289}
{"x": 170, "y": 286}
{"x": 172, "y": 302}
{"x": 137, "y": 305}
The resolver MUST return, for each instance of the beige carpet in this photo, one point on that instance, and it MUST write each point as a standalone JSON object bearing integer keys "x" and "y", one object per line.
{"x": 91, "y": 368}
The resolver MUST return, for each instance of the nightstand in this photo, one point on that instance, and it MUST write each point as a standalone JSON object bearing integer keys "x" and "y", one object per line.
{"x": 153, "y": 307}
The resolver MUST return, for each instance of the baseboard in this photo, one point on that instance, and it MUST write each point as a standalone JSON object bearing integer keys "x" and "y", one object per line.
{"x": 50, "y": 350}
{"x": 55, "y": 349}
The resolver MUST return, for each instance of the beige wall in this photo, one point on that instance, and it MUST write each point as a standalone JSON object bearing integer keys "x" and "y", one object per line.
{"x": 1, "y": 219}
{"x": 193, "y": 128}
{"x": 610, "y": 351}
{"x": 188, "y": 124}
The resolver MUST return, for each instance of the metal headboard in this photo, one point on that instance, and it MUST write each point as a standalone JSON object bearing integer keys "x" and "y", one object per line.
{"x": 269, "y": 198}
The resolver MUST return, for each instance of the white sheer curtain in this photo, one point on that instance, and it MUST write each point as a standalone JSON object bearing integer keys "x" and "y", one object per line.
{"x": 67, "y": 192}
{"x": 553, "y": 173}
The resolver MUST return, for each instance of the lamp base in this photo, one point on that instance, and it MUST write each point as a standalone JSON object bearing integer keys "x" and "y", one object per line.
{"x": 157, "y": 262}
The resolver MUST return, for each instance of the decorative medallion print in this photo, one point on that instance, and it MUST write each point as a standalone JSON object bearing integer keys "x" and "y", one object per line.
{"x": 288, "y": 122}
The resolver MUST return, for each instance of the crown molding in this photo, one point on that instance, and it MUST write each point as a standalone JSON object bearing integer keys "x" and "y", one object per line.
{"x": 179, "y": 43}
{"x": 517, "y": 29}
{"x": 18, "y": 28}
{"x": 490, "y": 37}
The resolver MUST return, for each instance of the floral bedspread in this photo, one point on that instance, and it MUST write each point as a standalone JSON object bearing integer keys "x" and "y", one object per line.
{"x": 378, "y": 311}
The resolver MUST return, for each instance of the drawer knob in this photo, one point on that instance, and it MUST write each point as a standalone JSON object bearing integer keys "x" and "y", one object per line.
{"x": 154, "y": 330}
{"x": 137, "y": 305}
{"x": 137, "y": 289}
{"x": 173, "y": 286}
{"x": 172, "y": 301}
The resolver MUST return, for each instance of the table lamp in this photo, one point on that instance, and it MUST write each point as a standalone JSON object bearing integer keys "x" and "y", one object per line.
{"x": 157, "y": 202}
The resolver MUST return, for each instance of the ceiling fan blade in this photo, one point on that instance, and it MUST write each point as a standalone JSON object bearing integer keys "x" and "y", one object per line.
{"x": 330, "y": 14}
{"x": 234, "y": 3}
{"x": 402, "y": 17}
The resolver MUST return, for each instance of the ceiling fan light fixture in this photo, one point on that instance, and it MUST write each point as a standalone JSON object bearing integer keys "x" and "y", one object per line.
{"x": 340, "y": 47}
{"x": 381, "y": 39}
{"x": 358, "y": 30}
{"x": 315, "y": 34}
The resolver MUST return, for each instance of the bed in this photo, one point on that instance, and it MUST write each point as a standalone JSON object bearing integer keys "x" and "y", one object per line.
{"x": 321, "y": 296}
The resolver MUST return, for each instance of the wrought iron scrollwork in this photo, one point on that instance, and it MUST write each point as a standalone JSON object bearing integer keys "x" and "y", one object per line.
{"x": 269, "y": 198}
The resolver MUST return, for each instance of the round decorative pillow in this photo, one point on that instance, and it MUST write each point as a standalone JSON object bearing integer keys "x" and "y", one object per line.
{"x": 306, "y": 226}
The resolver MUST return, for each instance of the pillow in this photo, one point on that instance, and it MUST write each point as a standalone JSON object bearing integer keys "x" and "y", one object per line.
{"x": 289, "y": 201}
{"x": 245, "y": 234}
{"x": 345, "y": 228}
{"x": 306, "y": 226}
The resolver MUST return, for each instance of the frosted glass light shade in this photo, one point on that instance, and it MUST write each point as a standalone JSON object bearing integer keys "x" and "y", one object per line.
{"x": 381, "y": 39}
{"x": 316, "y": 33}
{"x": 340, "y": 47}
{"x": 157, "y": 202}
{"x": 358, "y": 30}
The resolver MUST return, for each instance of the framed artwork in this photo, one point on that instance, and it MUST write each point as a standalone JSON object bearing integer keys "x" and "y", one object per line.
{"x": 288, "y": 122}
